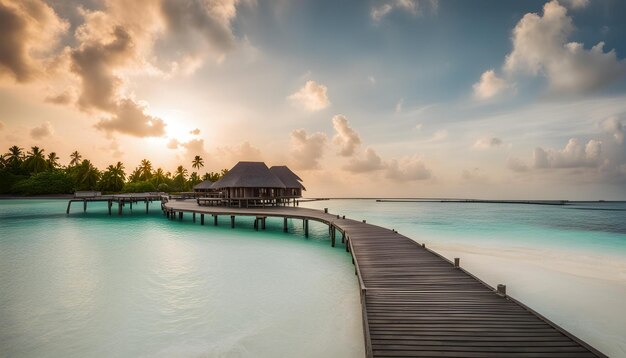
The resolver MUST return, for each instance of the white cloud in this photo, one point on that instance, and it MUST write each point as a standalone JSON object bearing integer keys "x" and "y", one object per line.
{"x": 371, "y": 161}
{"x": 173, "y": 143}
{"x": 489, "y": 85}
{"x": 614, "y": 127}
{"x": 130, "y": 118}
{"x": 41, "y": 131}
{"x": 408, "y": 169}
{"x": 346, "y": 138}
{"x": 486, "y": 143}
{"x": 312, "y": 96}
{"x": 412, "y": 7}
{"x": 307, "y": 149}
{"x": 575, "y": 4}
{"x": 516, "y": 165}
{"x": 574, "y": 155}
{"x": 540, "y": 48}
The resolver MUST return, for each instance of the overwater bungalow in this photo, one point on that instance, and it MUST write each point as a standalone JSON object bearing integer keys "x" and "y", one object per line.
{"x": 254, "y": 184}
{"x": 203, "y": 187}
{"x": 293, "y": 186}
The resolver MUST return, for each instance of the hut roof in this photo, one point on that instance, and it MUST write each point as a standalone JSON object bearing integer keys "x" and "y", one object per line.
{"x": 249, "y": 175}
{"x": 289, "y": 178}
{"x": 203, "y": 185}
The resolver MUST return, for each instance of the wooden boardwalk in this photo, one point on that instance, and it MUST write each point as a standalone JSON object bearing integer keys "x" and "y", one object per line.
{"x": 416, "y": 303}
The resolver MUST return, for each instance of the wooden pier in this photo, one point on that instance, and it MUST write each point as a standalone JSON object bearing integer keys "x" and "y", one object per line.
{"x": 121, "y": 200}
{"x": 416, "y": 303}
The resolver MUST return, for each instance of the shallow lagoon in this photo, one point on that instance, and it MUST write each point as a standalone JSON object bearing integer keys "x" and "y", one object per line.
{"x": 140, "y": 285}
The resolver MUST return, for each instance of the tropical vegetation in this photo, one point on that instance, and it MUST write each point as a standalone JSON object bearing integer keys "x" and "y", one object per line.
{"x": 35, "y": 172}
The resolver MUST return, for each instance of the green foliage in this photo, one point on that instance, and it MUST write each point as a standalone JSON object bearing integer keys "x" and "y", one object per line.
{"x": 32, "y": 173}
{"x": 138, "y": 187}
{"x": 8, "y": 180}
{"x": 48, "y": 182}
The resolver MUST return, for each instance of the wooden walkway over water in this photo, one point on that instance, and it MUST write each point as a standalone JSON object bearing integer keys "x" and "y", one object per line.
{"x": 415, "y": 303}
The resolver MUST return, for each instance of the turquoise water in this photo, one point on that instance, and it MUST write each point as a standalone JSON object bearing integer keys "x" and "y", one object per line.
{"x": 140, "y": 285}
{"x": 566, "y": 262}
{"x": 90, "y": 285}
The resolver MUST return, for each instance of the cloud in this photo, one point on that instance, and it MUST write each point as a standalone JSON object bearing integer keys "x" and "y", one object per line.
{"x": 173, "y": 143}
{"x": 614, "y": 127}
{"x": 516, "y": 165}
{"x": 413, "y": 7}
{"x": 474, "y": 175}
{"x": 312, "y": 96}
{"x": 29, "y": 32}
{"x": 346, "y": 138}
{"x": 244, "y": 151}
{"x": 63, "y": 98}
{"x": 371, "y": 161}
{"x": 489, "y": 86}
{"x": 130, "y": 118}
{"x": 199, "y": 27}
{"x": 307, "y": 149}
{"x": 540, "y": 48}
{"x": 41, "y": 131}
{"x": 575, "y": 4}
{"x": 574, "y": 155}
{"x": 486, "y": 143}
{"x": 1, "y": 125}
{"x": 195, "y": 131}
{"x": 408, "y": 169}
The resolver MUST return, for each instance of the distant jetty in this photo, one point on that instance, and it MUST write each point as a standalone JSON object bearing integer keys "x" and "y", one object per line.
{"x": 528, "y": 202}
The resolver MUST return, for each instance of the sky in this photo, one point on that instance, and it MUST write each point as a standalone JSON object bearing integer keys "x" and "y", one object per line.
{"x": 382, "y": 98}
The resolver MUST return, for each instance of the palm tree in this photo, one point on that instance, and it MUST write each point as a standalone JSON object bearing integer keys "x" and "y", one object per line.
{"x": 194, "y": 179}
{"x": 197, "y": 162}
{"x": 76, "y": 158}
{"x": 158, "y": 177}
{"x": 35, "y": 161}
{"x": 145, "y": 170}
{"x": 87, "y": 176}
{"x": 179, "y": 177}
{"x": 15, "y": 156}
{"x": 53, "y": 160}
{"x": 113, "y": 178}
{"x": 3, "y": 161}
{"x": 135, "y": 176}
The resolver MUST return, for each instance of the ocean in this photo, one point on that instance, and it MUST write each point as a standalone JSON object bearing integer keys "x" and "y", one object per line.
{"x": 139, "y": 285}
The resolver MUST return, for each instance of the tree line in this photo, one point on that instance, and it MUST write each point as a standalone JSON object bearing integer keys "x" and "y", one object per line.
{"x": 34, "y": 173}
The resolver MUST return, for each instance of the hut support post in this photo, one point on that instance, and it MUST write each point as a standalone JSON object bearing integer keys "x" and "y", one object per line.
{"x": 119, "y": 208}
{"x": 109, "y": 205}
{"x": 256, "y": 224}
{"x": 194, "y": 217}
{"x": 84, "y": 206}
{"x": 147, "y": 208}
{"x": 180, "y": 216}
{"x": 201, "y": 219}
{"x": 232, "y": 221}
{"x": 285, "y": 225}
{"x": 263, "y": 223}
{"x": 131, "y": 205}
{"x": 306, "y": 228}
{"x": 69, "y": 204}
{"x": 214, "y": 220}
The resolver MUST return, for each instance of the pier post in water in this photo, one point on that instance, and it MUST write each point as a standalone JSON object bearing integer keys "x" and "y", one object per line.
{"x": 214, "y": 220}
{"x": 263, "y": 223}
{"x": 306, "y": 228}
{"x": 109, "y": 205}
{"x": 201, "y": 219}
{"x": 232, "y": 221}
{"x": 131, "y": 205}
{"x": 119, "y": 208}
{"x": 147, "y": 208}
{"x": 84, "y": 206}
{"x": 180, "y": 216}
{"x": 194, "y": 217}
{"x": 285, "y": 225}
{"x": 332, "y": 235}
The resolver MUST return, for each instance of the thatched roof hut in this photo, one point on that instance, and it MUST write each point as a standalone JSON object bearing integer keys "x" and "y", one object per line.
{"x": 249, "y": 175}
{"x": 203, "y": 186}
{"x": 289, "y": 178}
